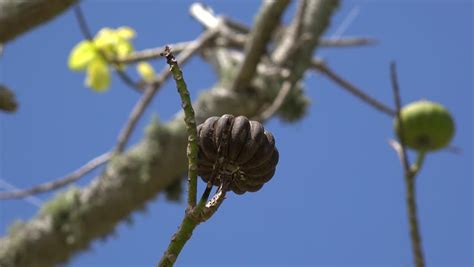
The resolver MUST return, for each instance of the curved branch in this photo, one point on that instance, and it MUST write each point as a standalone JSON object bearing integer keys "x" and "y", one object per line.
{"x": 53, "y": 185}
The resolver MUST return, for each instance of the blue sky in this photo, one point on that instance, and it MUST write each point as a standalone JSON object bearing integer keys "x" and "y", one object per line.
{"x": 337, "y": 198}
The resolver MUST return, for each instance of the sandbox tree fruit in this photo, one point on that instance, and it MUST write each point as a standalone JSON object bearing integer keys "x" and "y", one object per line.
{"x": 427, "y": 126}
{"x": 243, "y": 149}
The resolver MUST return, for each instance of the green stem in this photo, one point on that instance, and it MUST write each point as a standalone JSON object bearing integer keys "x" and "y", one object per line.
{"x": 190, "y": 120}
{"x": 178, "y": 241}
{"x": 415, "y": 235}
{"x": 194, "y": 215}
{"x": 420, "y": 159}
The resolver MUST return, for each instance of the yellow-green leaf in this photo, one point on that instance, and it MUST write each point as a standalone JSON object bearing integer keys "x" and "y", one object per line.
{"x": 98, "y": 75}
{"x": 81, "y": 55}
{"x": 146, "y": 71}
{"x": 126, "y": 33}
{"x": 105, "y": 38}
{"x": 123, "y": 48}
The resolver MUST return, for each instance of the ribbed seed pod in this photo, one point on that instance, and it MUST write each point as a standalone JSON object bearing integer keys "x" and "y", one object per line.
{"x": 240, "y": 150}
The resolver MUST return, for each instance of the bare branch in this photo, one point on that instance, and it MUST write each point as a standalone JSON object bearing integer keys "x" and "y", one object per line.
{"x": 55, "y": 184}
{"x": 346, "y": 42}
{"x": 279, "y": 99}
{"x": 130, "y": 180}
{"x": 29, "y": 199}
{"x": 266, "y": 22}
{"x": 204, "y": 15}
{"x": 398, "y": 105}
{"x": 152, "y": 53}
{"x": 324, "y": 69}
{"x": 410, "y": 173}
{"x": 314, "y": 21}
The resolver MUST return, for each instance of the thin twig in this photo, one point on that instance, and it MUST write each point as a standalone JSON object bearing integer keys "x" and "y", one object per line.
{"x": 346, "y": 42}
{"x": 152, "y": 53}
{"x": 86, "y": 32}
{"x": 410, "y": 174}
{"x": 398, "y": 106}
{"x": 30, "y": 199}
{"x": 191, "y": 128}
{"x": 279, "y": 99}
{"x": 266, "y": 22}
{"x": 324, "y": 69}
{"x": 81, "y": 20}
{"x": 55, "y": 184}
{"x": 155, "y": 85}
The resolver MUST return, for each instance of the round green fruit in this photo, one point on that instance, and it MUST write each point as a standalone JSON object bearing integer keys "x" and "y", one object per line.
{"x": 427, "y": 126}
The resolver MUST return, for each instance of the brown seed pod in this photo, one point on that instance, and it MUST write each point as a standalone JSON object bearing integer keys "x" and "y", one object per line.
{"x": 237, "y": 149}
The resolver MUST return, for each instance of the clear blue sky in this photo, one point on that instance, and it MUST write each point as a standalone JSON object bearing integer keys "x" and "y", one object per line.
{"x": 337, "y": 198}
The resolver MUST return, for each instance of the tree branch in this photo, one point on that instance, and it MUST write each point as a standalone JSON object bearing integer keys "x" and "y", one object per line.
{"x": 55, "y": 184}
{"x": 346, "y": 42}
{"x": 324, "y": 69}
{"x": 410, "y": 173}
{"x": 279, "y": 99}
{"x": 191, "y": 128}
{"x": 129, "y": 181}
{"x": 17, "y": 17}
{"x": 314, "y": 21}
{"x": 266, "y": 22}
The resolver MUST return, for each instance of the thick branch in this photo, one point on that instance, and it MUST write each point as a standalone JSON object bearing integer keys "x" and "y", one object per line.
{"x": 297, "y": 54}
{"x": 266, "y": 22}
{"x": 128, "y": 183}
{"x": 17, "y": 17}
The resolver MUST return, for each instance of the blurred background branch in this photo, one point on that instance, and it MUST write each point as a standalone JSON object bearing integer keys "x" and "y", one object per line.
{"x": 18, "y": 17}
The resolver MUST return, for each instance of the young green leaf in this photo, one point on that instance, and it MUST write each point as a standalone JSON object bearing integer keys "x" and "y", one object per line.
{"x": 125, "y": 32}
{"x": 123, "y": 48}
{"x": 98, "y": 75}
{"x": 146, "y": 71}
{"x": 81, "y": 55}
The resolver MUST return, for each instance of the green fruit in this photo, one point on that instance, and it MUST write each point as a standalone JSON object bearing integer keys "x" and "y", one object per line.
{"x": 427, "y": 126}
